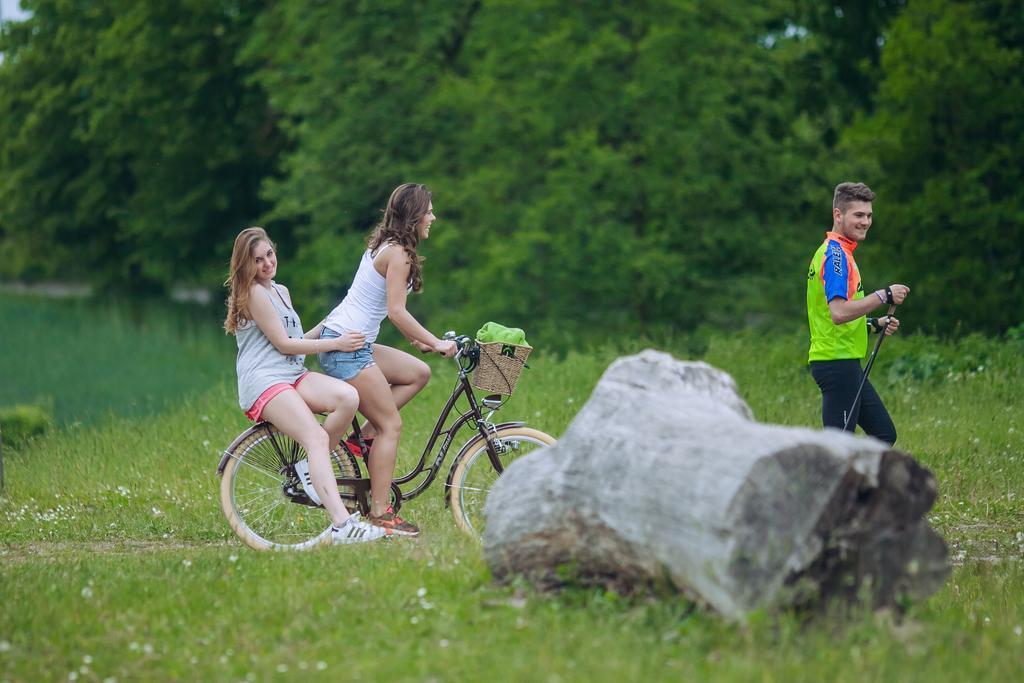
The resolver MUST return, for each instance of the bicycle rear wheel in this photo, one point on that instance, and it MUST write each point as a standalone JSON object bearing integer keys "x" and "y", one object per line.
{"x": 474, "y": 474}
{"x": 261, "y": 496}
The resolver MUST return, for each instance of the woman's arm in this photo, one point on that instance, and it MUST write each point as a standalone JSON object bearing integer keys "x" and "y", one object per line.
{"x": 265, "y": 317}
{"x": 396, "y": 277}
{"x": 315, "y": 332}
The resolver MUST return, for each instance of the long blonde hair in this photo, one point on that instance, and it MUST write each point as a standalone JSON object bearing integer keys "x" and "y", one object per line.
{"x": 408, "y": 204}
{"x": 241, "y": 276}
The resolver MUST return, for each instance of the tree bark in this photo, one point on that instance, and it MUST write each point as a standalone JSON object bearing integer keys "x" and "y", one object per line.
{"x": 664, "y": 476}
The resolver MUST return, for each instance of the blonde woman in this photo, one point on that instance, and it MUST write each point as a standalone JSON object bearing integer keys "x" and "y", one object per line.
{"x": 273, "y": 383}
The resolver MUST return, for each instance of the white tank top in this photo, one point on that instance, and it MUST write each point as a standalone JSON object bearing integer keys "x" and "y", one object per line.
{"x": 366, "y": 303}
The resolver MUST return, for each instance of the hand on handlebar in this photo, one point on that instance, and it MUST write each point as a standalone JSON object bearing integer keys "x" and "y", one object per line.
{"x": 421, "y": 347}
{"x": 446, "y": 348}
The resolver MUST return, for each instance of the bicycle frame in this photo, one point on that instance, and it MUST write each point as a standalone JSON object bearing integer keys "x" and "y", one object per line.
{"x": 474, "y": 414}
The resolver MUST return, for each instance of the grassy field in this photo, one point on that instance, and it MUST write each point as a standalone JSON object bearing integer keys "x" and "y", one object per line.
{"x": 86, "y": 362}
{"x": 116, "y": 563}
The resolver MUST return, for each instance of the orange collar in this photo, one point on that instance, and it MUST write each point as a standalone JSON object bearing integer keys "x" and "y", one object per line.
{"x": 848, "y": 244}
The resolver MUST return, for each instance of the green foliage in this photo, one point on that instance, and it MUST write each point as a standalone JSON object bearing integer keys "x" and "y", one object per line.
{"x": 921, "y": 359}
{"x": 599, "y": 171}
{"x": 131, "y": 148}
{"x": 845, "y": 40}
{"x": 20, "y": 423}
{"x": 945, "y": 142}
{"x": 583, "y": 174}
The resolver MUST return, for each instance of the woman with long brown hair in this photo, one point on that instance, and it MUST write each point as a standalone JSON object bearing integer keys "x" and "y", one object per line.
{"x": 386, "y": 377}
{"x": 273, "y": 383}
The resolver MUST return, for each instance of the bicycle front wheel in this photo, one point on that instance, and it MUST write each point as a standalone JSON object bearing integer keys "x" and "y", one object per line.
{"x": 475, "y": 474}
{"x": 261, "y": 496}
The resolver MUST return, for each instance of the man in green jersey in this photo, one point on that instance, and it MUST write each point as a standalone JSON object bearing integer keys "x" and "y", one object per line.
{"x": 836, "y": 314}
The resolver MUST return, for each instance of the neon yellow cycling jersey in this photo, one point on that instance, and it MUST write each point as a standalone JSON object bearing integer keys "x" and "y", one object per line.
{"x": 833, "y": 273}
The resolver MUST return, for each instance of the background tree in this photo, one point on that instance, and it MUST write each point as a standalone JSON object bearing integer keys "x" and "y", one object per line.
{"x": 945, "y": 143}
{"x": 599, "y": 170}
{"x": 351, "y": 83}
{"x": 594, "y": 166}
{"x": 132, "y": 145}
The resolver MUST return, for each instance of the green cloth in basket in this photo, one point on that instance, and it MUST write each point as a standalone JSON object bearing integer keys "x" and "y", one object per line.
{"x": 493, "y": 332}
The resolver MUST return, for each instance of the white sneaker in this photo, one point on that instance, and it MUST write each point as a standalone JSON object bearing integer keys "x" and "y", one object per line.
{"x": 302, "y": 469}
{"x": 355, "y": 530}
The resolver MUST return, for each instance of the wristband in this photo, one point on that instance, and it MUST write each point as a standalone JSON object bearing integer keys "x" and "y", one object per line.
{"x": 881, "y": 298}
{"x": 888, "y": 295}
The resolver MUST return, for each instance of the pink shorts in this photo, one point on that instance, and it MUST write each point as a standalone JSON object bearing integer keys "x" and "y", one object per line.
{"x": 256, "y": 411}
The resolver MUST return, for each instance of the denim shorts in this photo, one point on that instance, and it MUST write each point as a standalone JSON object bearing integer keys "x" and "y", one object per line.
{"x": 344, "y": 364}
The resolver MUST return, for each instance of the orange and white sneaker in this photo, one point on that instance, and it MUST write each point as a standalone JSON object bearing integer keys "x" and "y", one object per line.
{"x": 393, "y": 524}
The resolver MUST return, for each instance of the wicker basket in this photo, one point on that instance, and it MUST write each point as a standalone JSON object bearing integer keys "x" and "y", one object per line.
{"x": 499, "y": 368}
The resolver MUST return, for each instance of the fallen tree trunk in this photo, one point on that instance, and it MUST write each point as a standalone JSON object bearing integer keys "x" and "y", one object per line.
{"x": 664, "y": 475}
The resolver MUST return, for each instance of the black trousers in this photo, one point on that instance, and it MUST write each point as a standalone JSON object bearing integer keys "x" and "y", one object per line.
{"x": 838, "y": 381}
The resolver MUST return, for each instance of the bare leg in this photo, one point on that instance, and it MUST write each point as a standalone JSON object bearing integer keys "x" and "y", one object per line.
{"x": 406, "y": 375}
{"x": 289, "y": 413}
{"x": 377, "y": 403}
{"x": 338, "y": 399}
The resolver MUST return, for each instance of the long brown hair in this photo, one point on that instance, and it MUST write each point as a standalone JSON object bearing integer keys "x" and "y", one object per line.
{"x": 408, "y": 204}
{"x": 241, "y": 276}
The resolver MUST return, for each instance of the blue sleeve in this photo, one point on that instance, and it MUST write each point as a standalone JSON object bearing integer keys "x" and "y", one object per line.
{"x": 836, "y": 273}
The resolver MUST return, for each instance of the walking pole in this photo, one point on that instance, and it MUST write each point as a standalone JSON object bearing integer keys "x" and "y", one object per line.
{"x": 867, "y": 368}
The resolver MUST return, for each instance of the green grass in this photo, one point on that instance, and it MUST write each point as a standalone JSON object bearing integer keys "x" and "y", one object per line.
{"x": 426, "y": 610}
{"x": 116, "y": 562}
{"x": 87, "y": 359}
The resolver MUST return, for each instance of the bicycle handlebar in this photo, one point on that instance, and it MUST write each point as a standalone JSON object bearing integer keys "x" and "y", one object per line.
{"x": 464, "y": 356}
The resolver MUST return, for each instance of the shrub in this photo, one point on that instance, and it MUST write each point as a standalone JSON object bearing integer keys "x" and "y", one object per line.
{"x": 22, "y": 422}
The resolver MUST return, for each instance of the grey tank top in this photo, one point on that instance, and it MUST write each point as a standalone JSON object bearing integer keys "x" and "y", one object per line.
{"x": 260, "y": 365}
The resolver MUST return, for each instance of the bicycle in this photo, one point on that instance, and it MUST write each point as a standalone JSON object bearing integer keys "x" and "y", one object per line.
{"x": 265, "y": 504}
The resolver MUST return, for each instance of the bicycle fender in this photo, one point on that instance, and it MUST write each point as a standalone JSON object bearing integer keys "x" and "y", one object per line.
{"x": 230, "y": 449}
{"x": 462, "y": 453}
